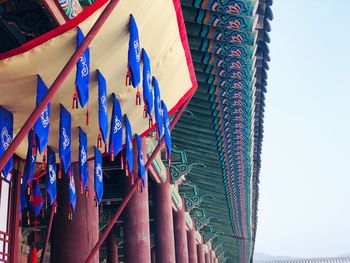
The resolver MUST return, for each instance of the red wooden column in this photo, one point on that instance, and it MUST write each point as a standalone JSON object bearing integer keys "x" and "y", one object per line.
{"x": 163, "y": 221}
{"x": 136, "y": 222}
{"x": 192, "y": 246}
{"x": 73, "y": 239}
{"x": 207, "y": 256}
{"x": 180, "y": 234}
{"x": 112, "y": 248}
{"x": 200, "y": 253}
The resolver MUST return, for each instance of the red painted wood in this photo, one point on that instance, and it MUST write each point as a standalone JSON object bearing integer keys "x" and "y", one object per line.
{"x": 112, "y": 248}
{"x": 192, "y": 246}
{"x": 200, "y": 253}
{"x": 207, "y": 257}
{"x": 73, "y": 239}
{"x": 48, "y": 233}
{"x": 163, "y": 221}
{"x": 180, "y": 234}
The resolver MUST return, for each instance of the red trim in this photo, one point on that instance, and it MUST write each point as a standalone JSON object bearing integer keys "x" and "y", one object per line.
{"x": 86, "y": 13}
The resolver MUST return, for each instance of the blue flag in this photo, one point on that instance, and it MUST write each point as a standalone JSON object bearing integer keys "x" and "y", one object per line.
{"x": 166, "y": 124}
{"x": 158, "y": 108}
{"x": 83, "y": 72}
{"x": 98, "y": 175}
{"x": 83, "y": 156}
{"x": 29, "y": 166}
{"x": 6, "y": 127}
{"x": 36, "y": 202}
{"x": 42, "y": 125}
{"x": 65, "y": 139}
{"x": 128, "y": 145}
{"x": 134, "y": 53}
{"x": 115, "y": 136}
{"x": 141, "y": 164}
{"x": 147, "y": 83}
{"x": 51, "y": 175}
{"x": 72, "y": 192}
{"x": 102, "y": 106}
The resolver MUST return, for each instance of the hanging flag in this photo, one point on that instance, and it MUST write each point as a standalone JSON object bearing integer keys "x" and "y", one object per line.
{"x": 23, "y": 200}
{"x": 29, "y": 166}
{"x": 65, "y": 139}
{"x": 72, "y": 194}
{"x": 141, "y": 171}
{"x": 147, "y": 86}
{"x": 116, "y": 133}
{"x": 36, "y": 201}
{"x": 167, "y": 134}
{"x": 158, "y": 108}
{"x": 98, "y": 175}
{"x": 83, "y": 72}
{"x": 51, "y": 175}
{"x": 83, "y": 156}
{"x": 6, "y": 127}
{"x": 134, "y": 54}
{"x": 128, "y": 146}
{"x": 102, "y": 108}
{"x": 42, "y": 125}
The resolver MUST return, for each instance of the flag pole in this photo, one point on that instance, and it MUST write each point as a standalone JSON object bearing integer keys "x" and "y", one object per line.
{"x": 134, "y": 187}
{"x": 57, "y": 83}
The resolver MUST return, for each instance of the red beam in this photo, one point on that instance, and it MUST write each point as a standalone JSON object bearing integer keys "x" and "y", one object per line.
{"x": 113, "y": 221}
{"x": 48, "y": 233}
{"x": 57, "y": 83}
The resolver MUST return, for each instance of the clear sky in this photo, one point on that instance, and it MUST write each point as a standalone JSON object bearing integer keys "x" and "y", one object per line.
{"x": 304, "y": 208}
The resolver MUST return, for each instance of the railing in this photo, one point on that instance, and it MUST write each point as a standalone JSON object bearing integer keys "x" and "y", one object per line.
{"x": 4, "y": 247}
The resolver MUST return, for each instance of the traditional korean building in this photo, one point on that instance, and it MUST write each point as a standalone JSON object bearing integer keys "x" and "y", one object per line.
{"x": 131, "y": 131}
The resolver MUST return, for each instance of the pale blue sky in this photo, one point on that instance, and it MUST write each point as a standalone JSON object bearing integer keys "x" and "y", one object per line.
{"x": 304, "y": 208}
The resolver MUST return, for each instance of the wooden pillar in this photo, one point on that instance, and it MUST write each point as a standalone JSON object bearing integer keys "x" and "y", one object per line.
{"x": 112, "y": 248}
{"x": 200, "y": 253}
{"x": 163, "y": 221}
{"x": 192, "y": 246}
{"x": 136, "y": 222}
{"x": 73, "y": 239}
{"x": 181, "y": 247}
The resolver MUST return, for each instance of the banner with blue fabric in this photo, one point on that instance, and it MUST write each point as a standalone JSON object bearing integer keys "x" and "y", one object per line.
{"x": 82, "y": 77}
{"x": 98, "y": 175}
{"x": 72, "y": 194}
{"x": 83, "y": 157}
{"x": 147, "y": 86}
{"x": 140, "y": 162}
{"x": 166, "y": 125}
{"x": 51, "y": 175}
{"x": 102, "y": 108}
{"x": 116, "y": 133}
{"x": 128, "y": 146}
{"x": 42, "y": 125}
{"x": 134, "y": 54}
{"x": 65, "y": 139}
{"x": 158, "y": 108}
{"x": 6, "y": 128}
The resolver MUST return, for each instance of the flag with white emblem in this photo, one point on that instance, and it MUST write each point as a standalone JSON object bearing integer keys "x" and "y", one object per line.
{"x": 141, "y": 164}
{"x": 42, "y": 125}
{"x": 102, "y": 109}
{"x": 147, "y": 85}
{"x": 72, "y": 194}
{"x": 83, "y": 156}
{"x": 158, "y": 108}
{"x": 6, "y": 129}
{"x": 51, "y": 175}
{"x": 116, "y": 133}
{"x": 134, "y": 54}
{"x": 128, "y": 146}
{"x": 166, "y": 124}
{"x": 83, "y": 72}
{"x": 98, "y": 175}
{"x": 65, "y": 139}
